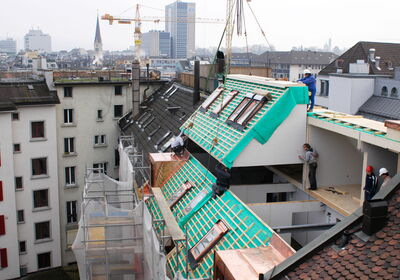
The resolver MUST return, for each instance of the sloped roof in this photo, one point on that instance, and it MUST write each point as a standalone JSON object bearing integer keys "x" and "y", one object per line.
{"x": 381, "y": 108}
{"x": 297, "y": 57}
{"x": 375, "y": 258}
{"x": 169, "y": 113}
{"x": 246, "y": 230}
{"x": 203, "y": 128}
{"x": 389, "y": 54}
{"x": 32, "y": 93}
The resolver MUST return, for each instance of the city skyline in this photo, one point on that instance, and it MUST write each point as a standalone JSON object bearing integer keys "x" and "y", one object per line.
{"x": 284, "y": 29}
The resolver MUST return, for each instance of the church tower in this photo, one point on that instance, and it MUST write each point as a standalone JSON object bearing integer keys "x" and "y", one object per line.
{"x": 98, "y": 47}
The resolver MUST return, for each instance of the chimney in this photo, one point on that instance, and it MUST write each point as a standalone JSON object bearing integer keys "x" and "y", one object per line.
{"x": 377, "y": 60}
{"x": 374, "y": 216}
{"x": 135, "y": 87}
{"x": 372, "y": 55}
{"x": 196, "y": 90}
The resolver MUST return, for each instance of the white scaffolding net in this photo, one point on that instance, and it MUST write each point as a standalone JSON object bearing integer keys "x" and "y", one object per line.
{"x": 116, "y": 240}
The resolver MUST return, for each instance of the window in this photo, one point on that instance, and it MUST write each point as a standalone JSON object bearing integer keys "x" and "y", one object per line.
{"x": 67, "y": 91}
{"x": 70, "y": 175}
{"x": 2, "y": 225}
{"x": 18, "y": 183}
{"x": 118, "y": 90}
{"x": 39, "y": 166}
{"x": 199, "y": 197}
{"x": 17, "y": 148}
{"x": 99, "y": 114}
{"x": 68, "y": 115}
{"x": 206, "y": 104}
{"x": 41, "y": 198}
{"x": 44, "y": 260}
{"x": 324, "y": 91}
{"x": 71, "y": 212}
{"x": 3, "y": 257}
{"x": 69, "y": 145}
{"x": 15, "y": 116}
{"x": 384, "y": 91}
{"x": 99, "y": 139}
{"x": 102, "y": 166}
{"x": 175, "y": 197}
{"x": 37, "y": 129}
{"x": 42, "y": 230}
{"x": 118, "y": 110}
{"x": 394, "y": 93}
{"x": 276, "y": 197}
{"x": 116, "y": 157}
{"x": 224, "y": 102}
{"x": 22, "y": 247}
{"x": 20, "y": 216}
{"x": 209, "y": 240}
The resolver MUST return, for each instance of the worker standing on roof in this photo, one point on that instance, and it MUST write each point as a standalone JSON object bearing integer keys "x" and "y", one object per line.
{"x": 311, "y": 159}
{"x": 309, "y": 81}
{"x": 371, "y": 183}
{"x": 384, "y": 174}
{"x": 223, "y": 180}
{"x": 178, "y": 145}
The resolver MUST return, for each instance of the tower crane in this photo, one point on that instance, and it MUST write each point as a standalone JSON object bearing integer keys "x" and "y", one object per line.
{"x": 137, "y": 20}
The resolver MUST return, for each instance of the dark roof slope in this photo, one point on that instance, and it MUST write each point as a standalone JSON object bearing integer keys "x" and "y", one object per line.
{"x": 298, "y": 57}
{"x": 32, "y": 93}
{"x": 381, "y": 108}
{"x": 388, "y": 52}
{"x": 163, "y": 114}
{"x": 376, "y": 258}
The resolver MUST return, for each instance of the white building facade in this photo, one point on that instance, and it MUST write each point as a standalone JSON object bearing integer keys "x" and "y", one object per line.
{"x": 36, "y": 40}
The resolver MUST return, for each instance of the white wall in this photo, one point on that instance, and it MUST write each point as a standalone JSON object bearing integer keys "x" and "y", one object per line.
{"x": 8, "y": 206}
{"x": 284, "y": 145}
{"x": 379, "y": 157}
{"x": 86, "y": 101}
{"x": 258, "y": 193}
{"x": 295, "y": 70}
{"x": 24, "y": 199}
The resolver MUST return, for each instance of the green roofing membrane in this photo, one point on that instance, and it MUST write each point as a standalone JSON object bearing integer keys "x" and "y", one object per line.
{"x": 246, "y": 230}
{"x": 232, "y": 141}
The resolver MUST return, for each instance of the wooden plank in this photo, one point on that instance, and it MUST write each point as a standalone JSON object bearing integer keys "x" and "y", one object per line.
{"x": 172, "y": 225}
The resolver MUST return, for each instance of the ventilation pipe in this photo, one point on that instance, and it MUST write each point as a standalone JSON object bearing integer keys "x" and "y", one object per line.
{"x": 372, "y": 55}
{"x": 377, "y": 60}
{"x": 196, "y": 90}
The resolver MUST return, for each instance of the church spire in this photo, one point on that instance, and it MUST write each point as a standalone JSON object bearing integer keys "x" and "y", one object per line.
{"x": 97, "y": 38}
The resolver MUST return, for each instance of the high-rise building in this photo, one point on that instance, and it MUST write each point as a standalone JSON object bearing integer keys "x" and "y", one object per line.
{"x": 8, "y": 46}
{"x": 98, "y": 46}
{"x": 182, "y": 30}
{"x": 156, "y": 43}
{"x": 36, "y": 40}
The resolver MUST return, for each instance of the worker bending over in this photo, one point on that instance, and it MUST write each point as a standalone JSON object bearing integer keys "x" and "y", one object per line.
{"x": 384, "y": 174}
{"x": 309, "y": 81}
{"x": 178, "y": 145}
{"x": 223, "y": 180}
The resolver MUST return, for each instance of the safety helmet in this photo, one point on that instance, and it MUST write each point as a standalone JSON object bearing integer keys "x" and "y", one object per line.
{"x": 307, "y": 71}
{"x": 369, "y": 168}
{"x": 382, "y": 171}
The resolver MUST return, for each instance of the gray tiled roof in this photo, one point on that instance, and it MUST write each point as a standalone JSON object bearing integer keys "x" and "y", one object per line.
{"x": 381, "y": 108}
{"x": 298, "y": 57}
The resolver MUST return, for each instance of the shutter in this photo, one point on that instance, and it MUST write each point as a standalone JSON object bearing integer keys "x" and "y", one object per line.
{"x": 3, "y": 257}
{"x": 2, "y": 225}
{"x": 1, "y": 190}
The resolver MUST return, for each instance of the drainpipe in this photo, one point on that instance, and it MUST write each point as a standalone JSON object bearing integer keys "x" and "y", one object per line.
{"x": 148, "y": 81}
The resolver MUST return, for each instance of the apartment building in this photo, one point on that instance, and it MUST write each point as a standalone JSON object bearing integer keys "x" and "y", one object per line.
{"x": 29, "y": 224}
{"x": 87, "y": 136}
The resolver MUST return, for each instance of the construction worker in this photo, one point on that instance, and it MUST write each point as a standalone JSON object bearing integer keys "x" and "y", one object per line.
{"x": 311, "y": 159}
{"x": 223, "y": 180}
{"x": 178, "y": 145}
{"x": 309, "y": 81}
{"x": 371, "y": 183}
{"x": 384, "y": 174}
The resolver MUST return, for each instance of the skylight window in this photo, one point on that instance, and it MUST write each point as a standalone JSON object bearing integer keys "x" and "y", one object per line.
{"x": 209, "y": 240}
{"x": 153, "y": 132}
{"x": 206, "y": 104}
{"x": 228, "y": 98}
{"x": 142, "y": 117}
{"x": 144, "y": 120}
{"x": 148, "y": 123}
{"x": 162, "y": 139}
{"x": 167, "y": 144}
{"x": 199, "y": 197}
{"x": 167, "y": 92}
{"x": 173, "y": 200}
{"x": 172, "y": 93}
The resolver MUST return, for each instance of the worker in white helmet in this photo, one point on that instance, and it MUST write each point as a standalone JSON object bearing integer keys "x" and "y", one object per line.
{"x": 309, "y": 81}
{"x": 384, "y": 174}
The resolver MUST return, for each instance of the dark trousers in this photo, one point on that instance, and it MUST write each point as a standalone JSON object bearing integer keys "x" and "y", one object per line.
{"x": 311, "y": 175}
{"x": 312, "y": 100}
{"x": 218, "y": 189}
{"x": 178, "y": 150}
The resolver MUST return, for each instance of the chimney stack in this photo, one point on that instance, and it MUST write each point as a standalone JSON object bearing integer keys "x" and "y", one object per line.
{"x": 374, "y": 216}
{"x": 372, "y": 55}
{"x": 196, "y": 90}
{"x": 135, "y": 87}
{"x": 377, "y": 60}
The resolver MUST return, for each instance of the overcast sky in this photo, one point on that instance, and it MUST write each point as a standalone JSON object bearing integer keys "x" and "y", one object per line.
{"x": 287, "y": 23}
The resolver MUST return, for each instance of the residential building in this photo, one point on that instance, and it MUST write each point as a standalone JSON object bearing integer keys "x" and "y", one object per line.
{"x": 98, "y": 46}
{"x": 8, "y": 46}
{"x": 290, "y": 65}
{"x": 365, "y": 73}
{"x": 156, "y": 44}
{"x": 181, "y": 28}
{"x": 29, "y": 218}
{"x": 36, "y": 40}
{"x": 87, "y": 136}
